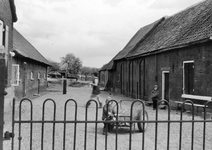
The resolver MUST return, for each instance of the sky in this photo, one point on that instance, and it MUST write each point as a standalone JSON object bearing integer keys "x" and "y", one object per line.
{"x": 93, "y": 30}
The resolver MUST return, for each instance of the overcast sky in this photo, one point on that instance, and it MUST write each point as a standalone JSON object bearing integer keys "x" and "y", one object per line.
{"x": 93, "y": 30}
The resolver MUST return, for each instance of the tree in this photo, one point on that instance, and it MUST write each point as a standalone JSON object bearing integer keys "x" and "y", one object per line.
{"x": 55, "y": 66}
{"x": 88, "y": 70}
{"x": 71, "y": 63}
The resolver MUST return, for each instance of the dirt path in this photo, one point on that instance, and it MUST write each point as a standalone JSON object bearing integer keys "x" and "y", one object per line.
{"x": 81, "y": 96}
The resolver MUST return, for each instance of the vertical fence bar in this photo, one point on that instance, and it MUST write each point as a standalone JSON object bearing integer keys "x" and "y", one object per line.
{"x": 54, "y": 118}
{"x": 168, "y": 130}
{"x": 143, "y": 135}
{"x": 75, "y": 124}
{"x": 13, "y": 124}
{"x": 86, "y": 119}
{"x": 31, "y": 118}
{"x": 31, "y": 125}
{"x": 204, "y": 126}
{"x": 181, "y": 118}
{"x": 192, "y": 133}
{"x": 2, "y": 90}
{"x": 19, "y": 135}
{"x": 42, "y": 126}
{"x": 156, "y": 127}
{"x": 117, "y": 110}
{"x": 95, "y": 145}
{"x": 131, "y": 119}
{"x": 43, "y": 118}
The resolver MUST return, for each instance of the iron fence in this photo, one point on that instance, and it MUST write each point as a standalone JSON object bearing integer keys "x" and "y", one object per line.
{"x": 162, "y": 133}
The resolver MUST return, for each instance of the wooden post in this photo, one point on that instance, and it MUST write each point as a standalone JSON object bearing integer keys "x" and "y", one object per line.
{"x": 2, "y": 90}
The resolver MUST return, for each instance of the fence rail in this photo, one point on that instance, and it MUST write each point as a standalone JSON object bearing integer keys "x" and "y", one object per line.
{"x": 86, "y": 132}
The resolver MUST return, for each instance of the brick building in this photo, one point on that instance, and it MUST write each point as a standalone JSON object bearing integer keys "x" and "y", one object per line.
{"x": 7, "y": 18}
{"x": 29, "y": 73}
{"x": 173, "y": 52}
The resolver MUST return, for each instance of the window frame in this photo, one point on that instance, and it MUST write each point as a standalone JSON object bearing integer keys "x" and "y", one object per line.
{"x": 17, "y": 79}
{"x": 32, "y": 75}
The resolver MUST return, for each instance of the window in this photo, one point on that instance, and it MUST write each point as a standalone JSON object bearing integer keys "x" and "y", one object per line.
{"x": 32, "y": 75}
{"x": 44, "y": 75}
{"x": 1, "y": 32}
{"x": 188, "y": 77}
{"x": 15, "y": 75}
{"x": 38, "y": 75}
{"x": 4, "y": 35}
{"x": 6, "y": 41}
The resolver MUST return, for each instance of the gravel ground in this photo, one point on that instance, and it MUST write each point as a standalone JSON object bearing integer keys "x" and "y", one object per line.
{"x": 81, "y": 96}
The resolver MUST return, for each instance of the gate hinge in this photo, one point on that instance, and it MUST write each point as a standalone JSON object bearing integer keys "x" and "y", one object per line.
{"x": 8, "y": 135}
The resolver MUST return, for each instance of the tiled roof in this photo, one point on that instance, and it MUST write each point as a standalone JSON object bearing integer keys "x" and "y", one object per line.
{"x": 111, "y": 63}
{"x": 186, "y": 27}
{"x": 138, "y": 37}
{"x": 25, "y": 49}
{"x": 104, "y": 67}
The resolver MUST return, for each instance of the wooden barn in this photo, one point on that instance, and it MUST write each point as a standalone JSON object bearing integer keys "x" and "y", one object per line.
{"x": 173, "y": 52}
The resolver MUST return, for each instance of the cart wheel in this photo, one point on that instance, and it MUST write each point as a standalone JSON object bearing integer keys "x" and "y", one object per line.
{"x": 142, "y": 127}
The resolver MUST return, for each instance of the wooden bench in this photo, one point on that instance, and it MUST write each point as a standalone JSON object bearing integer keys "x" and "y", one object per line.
{"x": 199, "y": 98}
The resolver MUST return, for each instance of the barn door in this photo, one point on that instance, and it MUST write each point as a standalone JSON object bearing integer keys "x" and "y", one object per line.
{"x": 130, "y": 79}
{"x": 141, "y": 80}
{"x": 24, "y": 79}
{"x": 121, "y": 79}
{"x": 188, "y": 77}
{"x": 165, "y": 85}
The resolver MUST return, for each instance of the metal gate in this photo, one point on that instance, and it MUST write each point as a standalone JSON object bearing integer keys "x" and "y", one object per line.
{"x": 182, "y": 132}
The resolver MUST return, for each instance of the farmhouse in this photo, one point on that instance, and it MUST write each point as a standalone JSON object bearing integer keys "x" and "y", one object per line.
{"x": 29, "y": 68}
{"x": 7, "y": 18}
{"x": 174, "y": 52}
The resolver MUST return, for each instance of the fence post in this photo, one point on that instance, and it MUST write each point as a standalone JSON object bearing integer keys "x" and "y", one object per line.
{"x": 64, "y": 86}
{"x": 2, "y": 91}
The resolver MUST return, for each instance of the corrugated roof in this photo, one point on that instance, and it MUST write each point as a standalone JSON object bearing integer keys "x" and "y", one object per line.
{"x": 186, "y": 27}
{"x": 25, "y": 49}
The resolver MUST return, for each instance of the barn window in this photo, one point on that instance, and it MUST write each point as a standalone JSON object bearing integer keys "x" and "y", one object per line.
{"x": 1, "y": 32}
{"x": 38, "y": 75}
{"x": 44, "y": 75}
{"x": 15, "y": 75}
{"x": 188, "y": 77}
{"x": 32, "y": 75}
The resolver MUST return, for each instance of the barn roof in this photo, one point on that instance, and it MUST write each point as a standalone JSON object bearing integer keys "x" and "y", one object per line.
{"x": 25, "y": 49}
{"x": 138, "y": 37}
{"x": 103, "y": 68}
{"x": 187, "y": 27}
{"x": 134, "y": 41}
